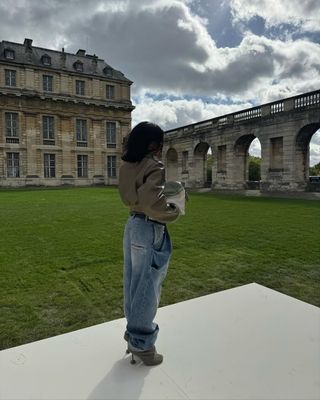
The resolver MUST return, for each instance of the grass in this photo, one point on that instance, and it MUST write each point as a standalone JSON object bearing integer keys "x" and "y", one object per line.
{"x": 61, "y": 255}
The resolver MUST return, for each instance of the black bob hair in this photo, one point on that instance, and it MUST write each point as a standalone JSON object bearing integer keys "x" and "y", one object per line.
{"x": 139, "y": 140}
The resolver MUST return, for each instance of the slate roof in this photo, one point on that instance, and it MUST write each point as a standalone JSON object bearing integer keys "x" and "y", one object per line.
{"x": 60, "y": 60}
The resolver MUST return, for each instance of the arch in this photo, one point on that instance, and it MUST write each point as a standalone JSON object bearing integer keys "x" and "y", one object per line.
{"x": 172, "y": 164}
{"x": 254, "y": 164}
{"x": 242, "y": 162}
{"x": 315, "y": 154}
{"x": 200, "y": 173}
{"x": 284, "y": 129}
{"x": 302, "y": 152}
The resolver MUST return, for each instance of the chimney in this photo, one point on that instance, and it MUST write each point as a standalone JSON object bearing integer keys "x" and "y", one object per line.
{"x": 28, "y": 48}
{"x": 63, "y": 58}
{"x": 28, "y": 44}
{"x": 94, "y": 63}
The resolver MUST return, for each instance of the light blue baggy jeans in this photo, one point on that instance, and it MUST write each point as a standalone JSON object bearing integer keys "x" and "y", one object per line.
{"x": 147, "y": 249}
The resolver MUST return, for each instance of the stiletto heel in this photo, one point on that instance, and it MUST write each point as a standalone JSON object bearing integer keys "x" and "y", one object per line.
{"x": 126, "y": 338}
{"x": 133, "y": 361}
{"x": 148, "y": 357}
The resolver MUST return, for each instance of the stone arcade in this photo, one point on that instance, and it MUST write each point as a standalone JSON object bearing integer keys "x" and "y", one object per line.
{"x": 284, "y": 129}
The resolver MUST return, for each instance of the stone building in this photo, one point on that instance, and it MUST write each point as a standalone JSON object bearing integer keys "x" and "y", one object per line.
{"x": 284, "y": 129}
{"x": 63, "y": 117}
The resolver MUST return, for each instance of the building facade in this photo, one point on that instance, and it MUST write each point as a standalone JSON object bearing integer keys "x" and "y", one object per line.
{"x": 63, "y": 117}
{"x": 284, "y": 129}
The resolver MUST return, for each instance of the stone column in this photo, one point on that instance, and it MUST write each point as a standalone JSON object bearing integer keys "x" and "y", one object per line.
{"x": 65, "y": 126}
{"x": 222, "y": 162}
{"x": 288, "y": 104}
{"x": 97, "y": 135}
{"x": 2, "y": 162}
{"x": 29, "y": 136}
{"x": 29, "y": 79}
{"x": 265, "y": 162}
{"x": 265, "y": 110}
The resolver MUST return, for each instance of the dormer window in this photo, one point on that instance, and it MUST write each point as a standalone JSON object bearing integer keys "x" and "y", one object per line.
{"x": 108, "y": 71}
{"x": 78, "y": 66}
{"x": 46, "y": 60}
{"x": 9, "y": 54}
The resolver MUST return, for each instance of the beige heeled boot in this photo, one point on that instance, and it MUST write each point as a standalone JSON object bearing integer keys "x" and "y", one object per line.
{"x": 148, "y": 357}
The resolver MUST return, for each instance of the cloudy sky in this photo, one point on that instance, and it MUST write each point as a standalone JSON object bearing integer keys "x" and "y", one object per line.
{"x": 189, "y": 59}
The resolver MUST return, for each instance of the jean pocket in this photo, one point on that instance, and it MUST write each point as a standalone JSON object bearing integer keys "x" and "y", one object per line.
{"x": 158, "y": 236}
{"x": 160, "y": 261}
{"x": 160, "y": 257}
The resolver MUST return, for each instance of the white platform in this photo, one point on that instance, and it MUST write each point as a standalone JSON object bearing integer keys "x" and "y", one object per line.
{"x": 245, "y": 343}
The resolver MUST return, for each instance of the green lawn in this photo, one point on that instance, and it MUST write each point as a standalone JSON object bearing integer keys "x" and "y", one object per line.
{"x": 61, "y": 255}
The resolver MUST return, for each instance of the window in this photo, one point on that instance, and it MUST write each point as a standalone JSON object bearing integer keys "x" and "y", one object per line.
{"x": 10, "y": 76}
{"x": 78, "y": 66}
{"x": 46, "y": 60}
{"x": 82, "y": 166}
{"x": 47, "y": 83}
{"x": 110, "y": 91}
{"x": 49, "y": 165}
{"x": 112, "y": 166}
{"x": 81, "y": 129}
{"x": 80, "y": 87}
{"x": 9, "y": 54}
{"x": 12, "y": 134}
{"x": 13, "y": 165}
{"x": 48, "y": 129}
{"x": 111, "y": 134}
{"x": 184, "y": 161}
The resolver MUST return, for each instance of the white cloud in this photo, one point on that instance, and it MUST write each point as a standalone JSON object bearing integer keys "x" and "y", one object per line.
{"x": 255, "y": 148}
{"x": 162, "y": 45}
{"x": 165, "y": 48}
{"x": 172, "y": 113}
{"x": 304, "y": 14}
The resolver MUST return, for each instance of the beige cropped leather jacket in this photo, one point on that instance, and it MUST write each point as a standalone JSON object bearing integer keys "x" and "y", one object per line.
{"x": 141, "y": 189}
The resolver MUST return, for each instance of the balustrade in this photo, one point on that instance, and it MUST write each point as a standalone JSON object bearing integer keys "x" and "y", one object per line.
{"x": 300, "y": 101}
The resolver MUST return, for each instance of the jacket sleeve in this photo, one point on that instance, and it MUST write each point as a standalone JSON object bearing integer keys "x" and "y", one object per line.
{"x": 151, "y": 197}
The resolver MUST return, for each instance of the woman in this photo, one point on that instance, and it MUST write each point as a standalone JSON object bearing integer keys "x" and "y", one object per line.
{"x": 146, "y": 245}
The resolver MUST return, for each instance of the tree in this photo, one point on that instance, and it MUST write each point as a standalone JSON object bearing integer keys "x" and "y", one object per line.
{"x": 254, "y": 168}
{"x": 315, "y": 170}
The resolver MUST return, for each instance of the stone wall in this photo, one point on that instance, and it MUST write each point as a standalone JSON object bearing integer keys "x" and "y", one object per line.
{"x": 283, "y": 128}
{"x": 31, "y": 147}
{"x": 72, "y": 148}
